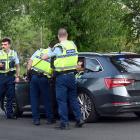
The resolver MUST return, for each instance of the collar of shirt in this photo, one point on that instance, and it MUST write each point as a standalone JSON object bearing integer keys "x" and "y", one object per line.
{"x": 10, "y": 51}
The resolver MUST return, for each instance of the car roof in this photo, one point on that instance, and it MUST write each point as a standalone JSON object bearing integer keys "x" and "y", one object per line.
{"x": 111, "y": 54}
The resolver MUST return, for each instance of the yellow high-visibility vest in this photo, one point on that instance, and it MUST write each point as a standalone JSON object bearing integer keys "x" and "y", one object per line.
{"x": 8, "y": 61}
{"x": 69, "y": 57}
{"x": 40, "y": 65}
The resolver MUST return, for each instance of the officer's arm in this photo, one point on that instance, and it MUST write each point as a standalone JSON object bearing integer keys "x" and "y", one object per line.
{"x": 17, "y": 67}
{"x": 17, "y": 70}
{"x": 29, "y": 65}
{"x": 30, "y": 61}
{"x": 17, "y": 73}
{"x": 1, "y": 65}
{"x": 57, "y": 51}
{"x": 45, "y": 57}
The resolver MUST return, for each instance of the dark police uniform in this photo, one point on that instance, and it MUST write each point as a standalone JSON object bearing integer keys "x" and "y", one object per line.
{"x": 7, "y": 72}
{"x": 66, "y": 88}
{"x": 39, "y": 84}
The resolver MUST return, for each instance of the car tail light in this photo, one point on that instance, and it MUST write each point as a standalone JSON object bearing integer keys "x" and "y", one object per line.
{"x": 117, "y": 82}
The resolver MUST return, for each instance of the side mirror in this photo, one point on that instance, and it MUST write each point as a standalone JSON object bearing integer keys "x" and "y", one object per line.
{"x": 94, "y": 69}
{"x": 98, "y": 68}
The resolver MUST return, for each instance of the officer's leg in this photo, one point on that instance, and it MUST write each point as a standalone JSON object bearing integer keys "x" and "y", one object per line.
{"x": 44, "y": 88}
{"x": 2, "y": 86}
{"x": 10, "y": 95}
{"x": 61, "y": 97}
{"x": 72, "y": 96}
{"x": 34, "y": 96}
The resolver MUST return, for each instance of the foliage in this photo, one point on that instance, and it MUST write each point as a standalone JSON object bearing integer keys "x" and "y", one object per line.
{"x": 132, "y": 22}
{"x": 27, "y": 37}
{"x": 8, "y": 9}
{"x": 99, "y": 26}
{"x": 95, "y": 25}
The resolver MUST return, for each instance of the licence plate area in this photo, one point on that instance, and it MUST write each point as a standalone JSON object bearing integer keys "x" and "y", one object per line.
{"x": 136, "y": 85}
{"x": 134, "y": 93}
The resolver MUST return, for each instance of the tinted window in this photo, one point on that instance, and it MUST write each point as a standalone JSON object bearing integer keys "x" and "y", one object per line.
{"x": 93, "y": 65}
{"x": 127, "y": 63}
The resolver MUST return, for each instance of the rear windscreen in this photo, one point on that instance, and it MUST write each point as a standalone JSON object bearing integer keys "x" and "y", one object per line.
{"x": 127, "y": 63}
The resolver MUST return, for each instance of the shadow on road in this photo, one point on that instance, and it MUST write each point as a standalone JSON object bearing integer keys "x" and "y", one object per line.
{"x": 121, "y": 118}
{"x": 130, "y": 117}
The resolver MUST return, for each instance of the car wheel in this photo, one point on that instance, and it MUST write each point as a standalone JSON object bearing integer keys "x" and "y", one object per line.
{"x": 15, "y": 108}
{"x": 87, "y": 106}
{"x": 137, "y": 114}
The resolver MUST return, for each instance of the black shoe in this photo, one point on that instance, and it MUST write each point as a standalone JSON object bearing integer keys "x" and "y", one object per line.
{"x": 49, "y": 122}
{"x": 11, "y": 117}
{"x": 36, "y": 122}
{"x": 63, "y": 127}
{"x": 79, "y": 123}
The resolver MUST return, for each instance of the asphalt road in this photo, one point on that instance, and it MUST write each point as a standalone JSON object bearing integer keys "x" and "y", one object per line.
{"x": 125, "y": 127}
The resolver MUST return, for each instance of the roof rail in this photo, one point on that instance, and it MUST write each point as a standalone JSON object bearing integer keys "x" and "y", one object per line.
{"x": 90, "y": 53}
{"x": 123, "y": 52}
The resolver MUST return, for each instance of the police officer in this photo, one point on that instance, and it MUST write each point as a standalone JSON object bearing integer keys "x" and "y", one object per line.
{"x": 9, "y": 74}
{"x": 39, "y": 84}
{"x": 66, "y": 89}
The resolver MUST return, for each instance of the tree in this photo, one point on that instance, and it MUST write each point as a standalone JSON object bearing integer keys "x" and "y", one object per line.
{"x": 95, "y": 25}
{"x": 26, "y": 37}
{"x": 8, "y": 9}
{"x": 132, "y": 22}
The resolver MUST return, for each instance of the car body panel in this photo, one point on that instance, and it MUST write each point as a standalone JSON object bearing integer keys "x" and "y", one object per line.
{"x": 107, "y": 101}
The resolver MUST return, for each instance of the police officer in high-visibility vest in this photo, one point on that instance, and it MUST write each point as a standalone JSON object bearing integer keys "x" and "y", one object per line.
{"x": 39, "y": 84}
{"x": 66, "y": 89}
{"x": 9, "y": 74}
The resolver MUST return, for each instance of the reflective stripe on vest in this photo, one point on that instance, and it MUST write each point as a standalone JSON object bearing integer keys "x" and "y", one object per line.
{"x": 68, "y": 59}
{"x": 7, "y": 59}
{"x": 40, "y": 65}
{"x": 75, "y": 54}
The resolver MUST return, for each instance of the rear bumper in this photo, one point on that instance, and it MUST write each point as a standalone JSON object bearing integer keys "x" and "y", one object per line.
{"x": 116, "y": 109}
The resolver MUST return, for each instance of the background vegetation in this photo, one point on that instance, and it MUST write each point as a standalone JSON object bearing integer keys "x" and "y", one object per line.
{"x": 94, "y": 25}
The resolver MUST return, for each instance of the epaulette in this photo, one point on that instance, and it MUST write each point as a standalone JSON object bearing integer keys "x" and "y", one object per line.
{"x": 58, "y": 45}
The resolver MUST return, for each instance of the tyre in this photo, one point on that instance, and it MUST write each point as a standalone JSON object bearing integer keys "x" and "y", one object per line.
{"x": 87, "y": 106}
{"x": 15, "y": 108}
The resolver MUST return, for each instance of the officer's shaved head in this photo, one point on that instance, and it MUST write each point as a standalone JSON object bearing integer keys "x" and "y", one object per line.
{"x": 62, "y": 32}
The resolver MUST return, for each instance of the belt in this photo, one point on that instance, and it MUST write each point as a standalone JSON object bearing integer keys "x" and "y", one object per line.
{"x": 38, "y": 74}
{"x": 11, "y": 73}
{"x": 65, "y": 72}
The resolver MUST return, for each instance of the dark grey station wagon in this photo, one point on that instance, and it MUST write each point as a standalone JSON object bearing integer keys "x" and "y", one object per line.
{"x": 108, "y": 85}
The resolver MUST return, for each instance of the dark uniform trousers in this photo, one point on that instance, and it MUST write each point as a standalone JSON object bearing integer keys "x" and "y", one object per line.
{"x": 40, "y": 85}
{"x": 7, "y": 86}
{"x": 66, "y": 90}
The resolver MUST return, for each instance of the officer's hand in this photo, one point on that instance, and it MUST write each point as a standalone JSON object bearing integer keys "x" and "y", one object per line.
{"x": 28, "y": 76}
{"x": 1, "y": 65}
{"x": 45, "y": 57}
{"x": 17, "y": 79}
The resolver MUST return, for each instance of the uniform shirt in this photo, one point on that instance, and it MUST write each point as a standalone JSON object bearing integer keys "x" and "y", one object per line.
{"x": 57, "y": 50}
{"x": 15, "y": 57}
{"x": 36, "y": 53}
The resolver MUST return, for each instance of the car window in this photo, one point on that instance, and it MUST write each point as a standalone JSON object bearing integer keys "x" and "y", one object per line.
{"x": 93, "y": 65}
{"x": 127, "y": 63}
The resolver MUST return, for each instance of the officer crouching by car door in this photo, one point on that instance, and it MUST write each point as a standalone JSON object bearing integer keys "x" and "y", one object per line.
{"x": 39, "y": 84}
{"x": 9, "y": 74}
{"x": 66, "y": 88}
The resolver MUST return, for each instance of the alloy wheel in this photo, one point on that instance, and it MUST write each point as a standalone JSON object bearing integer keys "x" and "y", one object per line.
{"x": 85, "y": 105}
